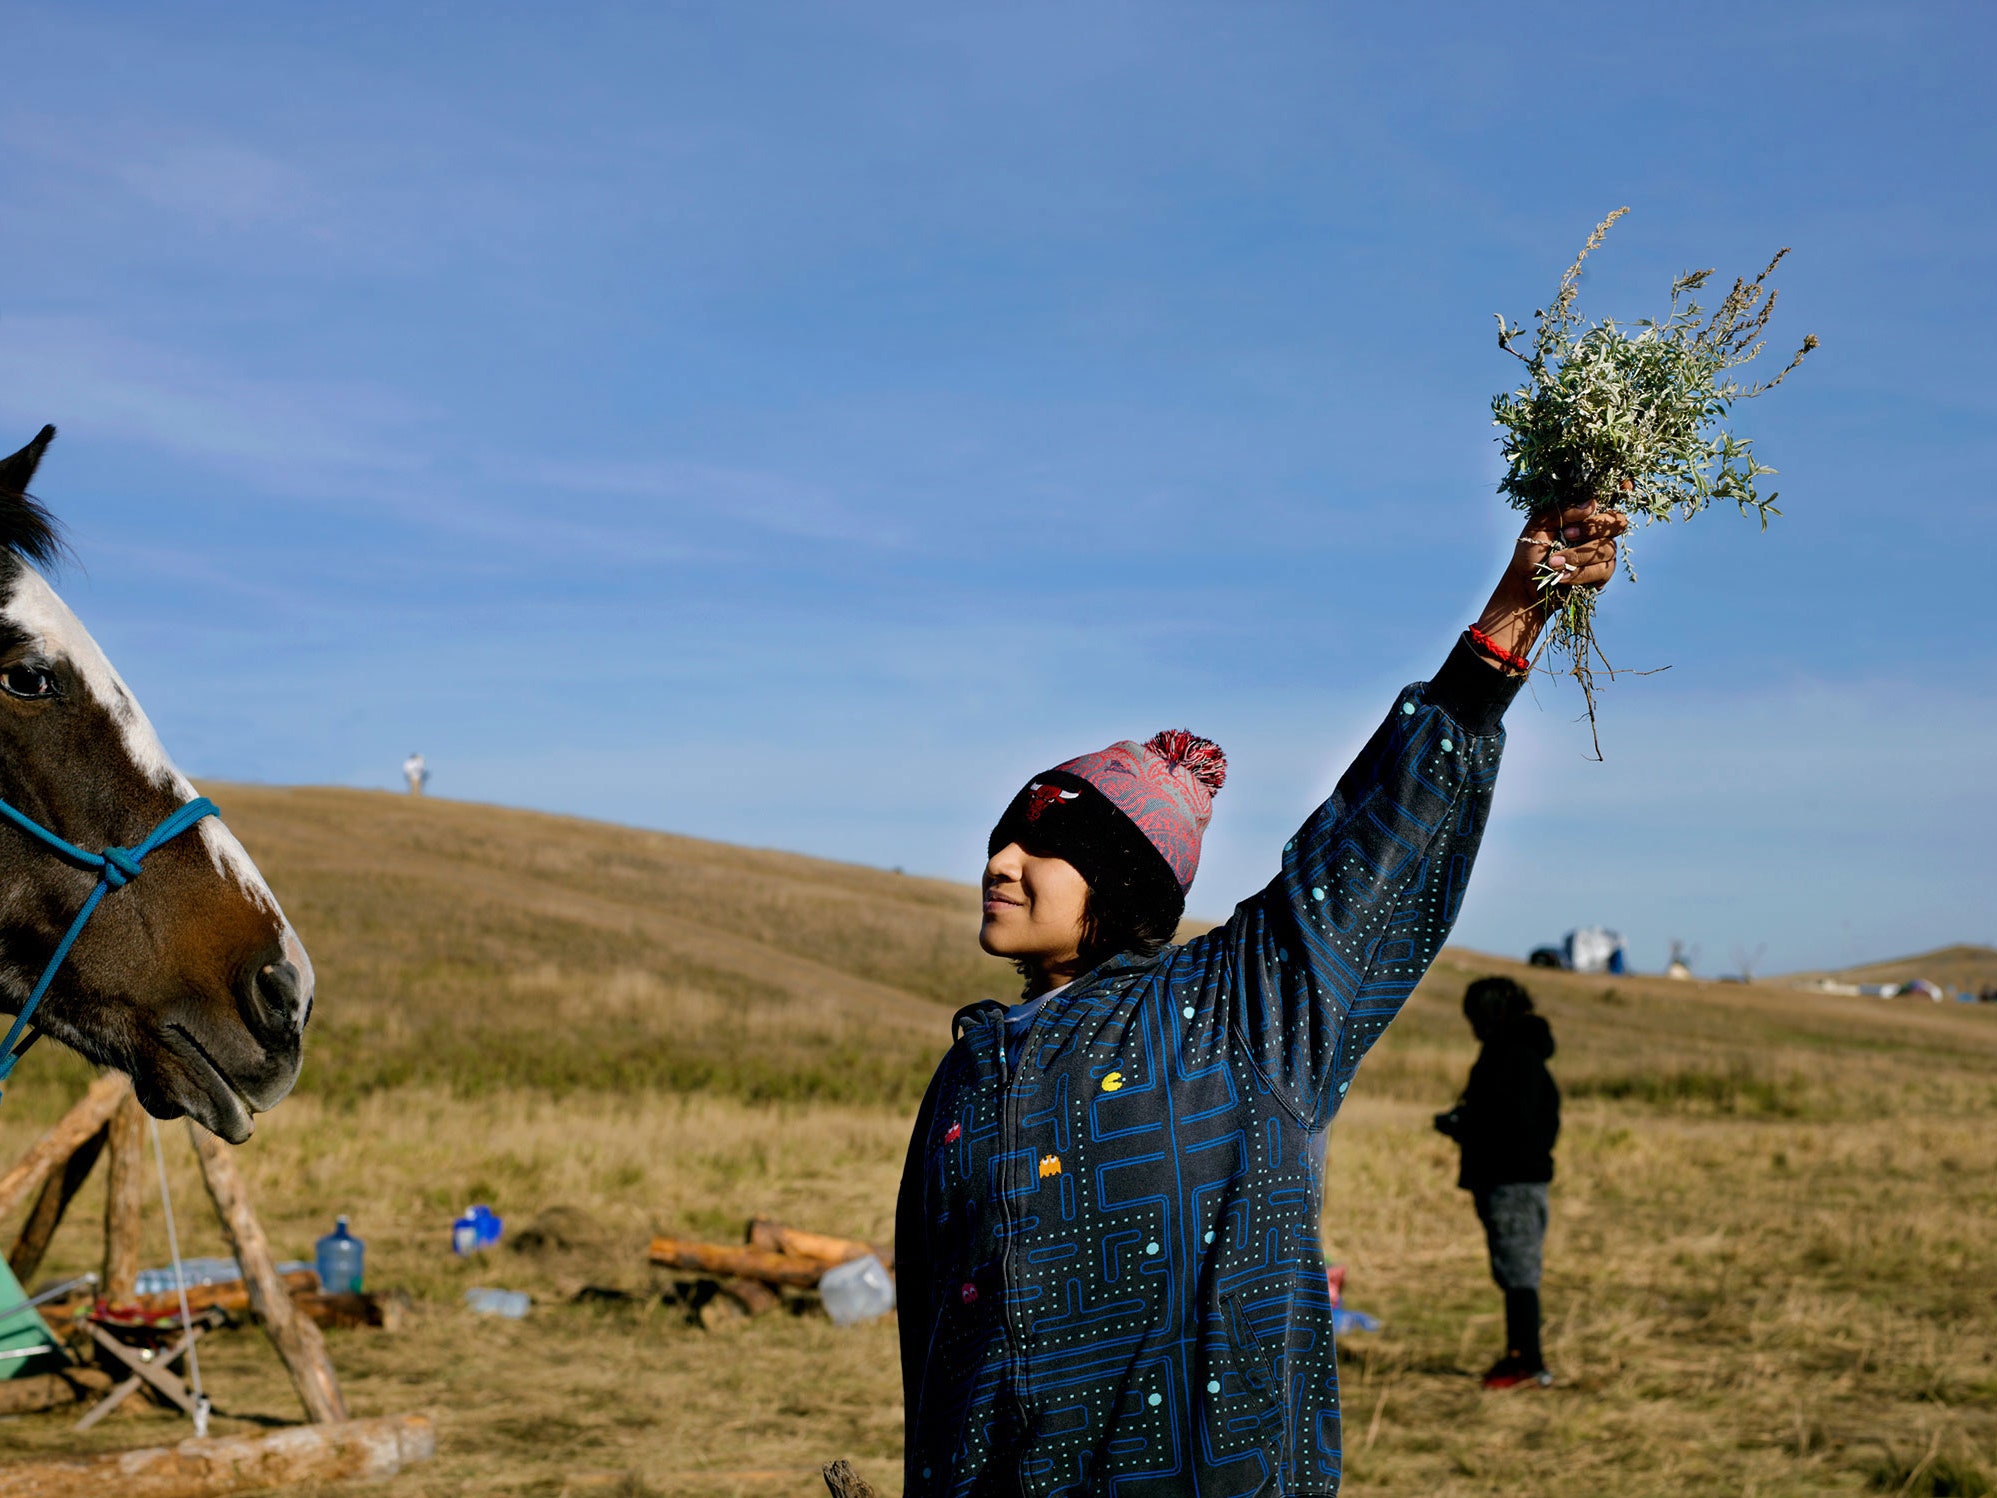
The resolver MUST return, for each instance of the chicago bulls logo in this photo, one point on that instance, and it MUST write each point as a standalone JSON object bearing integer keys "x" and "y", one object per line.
{"x": 1040, "y": 797}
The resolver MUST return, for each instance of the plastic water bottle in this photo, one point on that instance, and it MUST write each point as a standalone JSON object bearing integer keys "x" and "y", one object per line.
{"x": 857, "y": 1290}
{"x": 341, "y": 1259}
{"x": 197, "y": 1271}
{"x": 512, "y": 1304}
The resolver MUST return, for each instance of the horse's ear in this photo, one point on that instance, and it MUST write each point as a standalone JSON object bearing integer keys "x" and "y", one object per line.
{"x": 25, "y": 527}
{"x": 17, "y": 472}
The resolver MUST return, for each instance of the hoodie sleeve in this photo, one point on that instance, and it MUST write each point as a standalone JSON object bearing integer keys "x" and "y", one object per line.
{"x": 1309, "y": 971}
{"x": 915, "y": 1299}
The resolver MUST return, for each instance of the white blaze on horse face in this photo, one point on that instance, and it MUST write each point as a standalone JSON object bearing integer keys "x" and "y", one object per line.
{"x": 38, "y": 613}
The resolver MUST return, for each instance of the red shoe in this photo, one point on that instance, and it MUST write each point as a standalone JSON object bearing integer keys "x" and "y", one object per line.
{"x": 1509, "y": 1373}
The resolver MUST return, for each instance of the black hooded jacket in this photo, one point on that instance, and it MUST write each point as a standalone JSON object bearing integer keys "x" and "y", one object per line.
{"x": 1509, "y": 1115}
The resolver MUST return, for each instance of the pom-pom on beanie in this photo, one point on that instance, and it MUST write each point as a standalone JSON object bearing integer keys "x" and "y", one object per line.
{"x": 1130, "y": 816}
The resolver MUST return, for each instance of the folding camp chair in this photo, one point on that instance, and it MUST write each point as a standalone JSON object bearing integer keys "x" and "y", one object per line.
{"x": 147, "y": 1355}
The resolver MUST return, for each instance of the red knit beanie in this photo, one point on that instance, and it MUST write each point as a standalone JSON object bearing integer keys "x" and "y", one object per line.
{"x": 1132, "y": 814}
{"x": 1165, "y": 786}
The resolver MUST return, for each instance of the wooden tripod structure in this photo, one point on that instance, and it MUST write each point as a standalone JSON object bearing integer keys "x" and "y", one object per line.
{"x": 109, "y": 1122}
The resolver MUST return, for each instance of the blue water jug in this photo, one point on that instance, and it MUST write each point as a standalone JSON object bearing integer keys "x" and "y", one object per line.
{"x": 341, "y": 1258}
{"x": 477, "y": 1229}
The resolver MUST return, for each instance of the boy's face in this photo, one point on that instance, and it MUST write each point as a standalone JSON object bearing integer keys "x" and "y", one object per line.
{"x": 1033, "y": 910}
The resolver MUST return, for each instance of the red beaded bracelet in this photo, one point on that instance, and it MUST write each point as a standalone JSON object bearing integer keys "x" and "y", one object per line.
{"x": 1498, "y": 652}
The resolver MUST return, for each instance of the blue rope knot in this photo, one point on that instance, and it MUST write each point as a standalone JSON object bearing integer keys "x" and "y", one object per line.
{"x": 120, "y": 867}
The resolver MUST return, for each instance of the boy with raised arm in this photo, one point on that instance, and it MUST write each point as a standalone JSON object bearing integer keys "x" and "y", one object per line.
{"x": 1107, "y": 1241}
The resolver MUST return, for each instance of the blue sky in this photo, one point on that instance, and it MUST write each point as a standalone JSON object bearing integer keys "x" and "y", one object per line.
{"x": 795, "y": 424}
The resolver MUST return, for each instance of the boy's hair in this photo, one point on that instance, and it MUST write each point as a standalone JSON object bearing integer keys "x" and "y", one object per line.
{"x": 1490, "y": 1003}
{"x": 1126, "y": 913}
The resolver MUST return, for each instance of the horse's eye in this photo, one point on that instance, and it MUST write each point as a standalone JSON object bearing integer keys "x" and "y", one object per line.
{"x": 27, "y": 681}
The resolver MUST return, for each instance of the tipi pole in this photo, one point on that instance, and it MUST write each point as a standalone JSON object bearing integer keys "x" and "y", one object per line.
{"x": 296, "y": 1339}
{"x": 124, "y": 1192}
{"x": 62, "y": 1141}
{"x": 46, "y": 1214}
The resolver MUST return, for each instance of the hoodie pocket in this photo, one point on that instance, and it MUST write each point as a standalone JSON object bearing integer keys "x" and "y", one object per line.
{"x": 1245, "y": 1403}
{"x": 1247, "y": 1349}
{"x": 1248, "y": 1355}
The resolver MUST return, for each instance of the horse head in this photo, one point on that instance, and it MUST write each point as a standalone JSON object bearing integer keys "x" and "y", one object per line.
{"x": 188, "y": 979}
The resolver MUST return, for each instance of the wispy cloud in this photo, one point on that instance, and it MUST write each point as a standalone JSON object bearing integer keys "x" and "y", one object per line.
{"x": 763, "y": 500}
{"x": 129, "y": 389}
{"x": 206, "y": 179}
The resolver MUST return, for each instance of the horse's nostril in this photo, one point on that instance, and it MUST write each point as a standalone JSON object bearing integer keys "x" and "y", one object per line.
{"x": 278, "y": 987}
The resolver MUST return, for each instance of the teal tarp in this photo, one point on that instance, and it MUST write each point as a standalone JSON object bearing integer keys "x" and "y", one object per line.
{"x": 23, "y": 1329}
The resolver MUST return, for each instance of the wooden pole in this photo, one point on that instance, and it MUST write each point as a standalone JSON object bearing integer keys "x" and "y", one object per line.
{"x": 281, "y": 1461}
{"x": 123, "y": 1192}
{"x": 46, "y": 1214}
{"x": 723, "y": 1262}
{"x": 296, "y": 1339}
{"x": 59, "y": 1143}
{"x": 841, "y": 1481}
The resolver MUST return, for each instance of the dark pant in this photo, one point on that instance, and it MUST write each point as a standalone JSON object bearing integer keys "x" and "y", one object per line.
{"x": 1514, "y": 1219}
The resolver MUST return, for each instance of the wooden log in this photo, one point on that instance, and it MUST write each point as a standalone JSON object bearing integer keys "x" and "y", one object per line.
{"x": 124, "y": 1190}
{"x": 720, "y": 1312}
{"x": 725, "y": 1261}
{"x": 754, "y": 1296}
{"x": 389, "y": 1311}
{"x": 230, "y": 1295}
{"x": 304, "y": 1454}
{"x": 46, "y": 1214}
{"x": 33, "y": 1392}
{"x": 89, "y": 1115}
{"x": 350, "y": 1309}
{"x": 841, "y": 1481}
{"x": 296, "y": 1339}
{"x": 781, "y": 1238}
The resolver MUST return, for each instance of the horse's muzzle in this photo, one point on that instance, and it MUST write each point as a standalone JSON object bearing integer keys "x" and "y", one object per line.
{"x": 221, "y": 1064}
{"x": 274, "y": 1000}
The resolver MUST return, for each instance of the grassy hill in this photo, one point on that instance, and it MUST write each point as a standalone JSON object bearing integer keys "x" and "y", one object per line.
{"x": 481, "y": 949}
{"x": 1963, "y": 968}
{"x": 1769, "y": 1270}
{"x": 484, "y": 948}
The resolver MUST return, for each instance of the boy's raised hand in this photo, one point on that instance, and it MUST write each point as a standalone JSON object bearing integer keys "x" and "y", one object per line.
{"x": 1577, "y": 543}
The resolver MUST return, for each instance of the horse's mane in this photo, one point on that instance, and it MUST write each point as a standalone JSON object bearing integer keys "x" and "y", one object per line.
{"x": 26, "y": 528}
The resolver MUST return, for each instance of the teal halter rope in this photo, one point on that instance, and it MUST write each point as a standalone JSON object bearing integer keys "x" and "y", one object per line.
{"x": 115, "y": 868}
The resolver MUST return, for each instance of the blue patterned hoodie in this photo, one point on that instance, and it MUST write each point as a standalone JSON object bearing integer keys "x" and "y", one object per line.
{"x": 1108, "y": 1260}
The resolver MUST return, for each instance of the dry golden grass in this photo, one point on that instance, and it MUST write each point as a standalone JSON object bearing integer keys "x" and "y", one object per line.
{"x": 1770, "y": 1269}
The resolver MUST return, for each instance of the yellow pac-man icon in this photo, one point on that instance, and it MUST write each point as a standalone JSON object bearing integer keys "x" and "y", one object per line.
{"x": 1113, "y": 1081}
{"x": 1050, "y": 1165}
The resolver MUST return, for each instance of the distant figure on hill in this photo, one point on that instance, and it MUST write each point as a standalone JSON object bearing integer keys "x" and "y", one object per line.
{"x": 1506, "y": 1123}
{"x": 1109, "y": 1270}
{"x": 416, "y": 773}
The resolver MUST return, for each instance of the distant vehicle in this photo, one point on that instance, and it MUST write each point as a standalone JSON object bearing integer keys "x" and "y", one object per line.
{"x": 1589, "y": 949}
